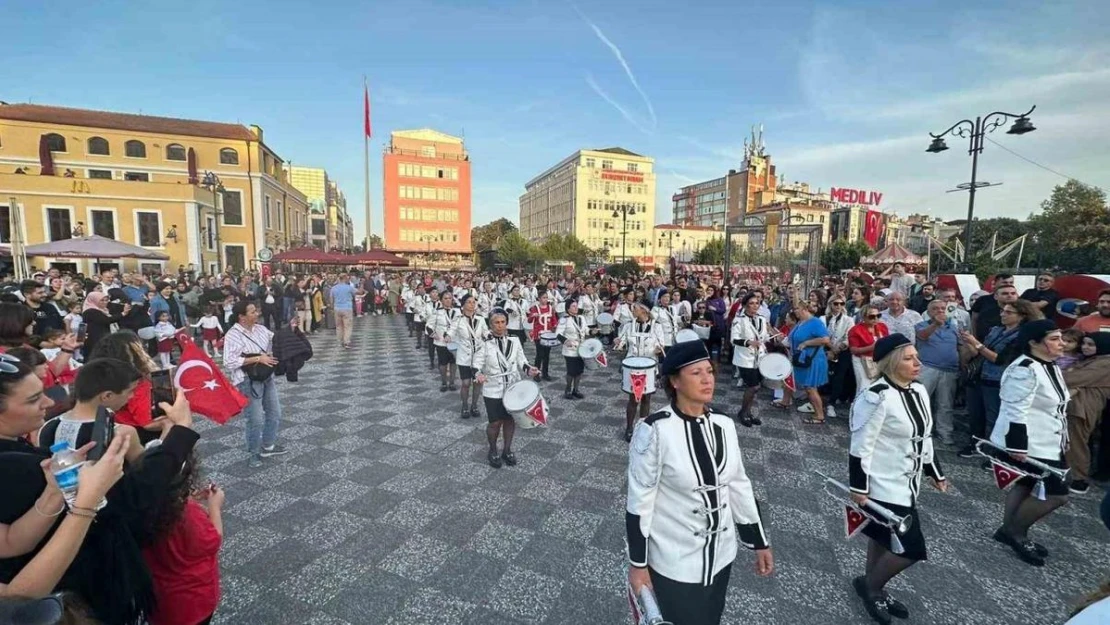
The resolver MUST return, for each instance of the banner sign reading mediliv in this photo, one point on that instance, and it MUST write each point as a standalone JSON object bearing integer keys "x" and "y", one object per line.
{"x": 855, "y": 196}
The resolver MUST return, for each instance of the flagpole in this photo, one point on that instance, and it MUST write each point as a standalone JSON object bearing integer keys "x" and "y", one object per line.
{"x": 366, "y": 163}
{"x": 1021, "y": 250}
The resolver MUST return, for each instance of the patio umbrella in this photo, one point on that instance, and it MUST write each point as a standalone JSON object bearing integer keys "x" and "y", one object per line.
{"x": 193, "y": 167}
{"x": 93, "y": 247}
{"x": 46, "y": 159}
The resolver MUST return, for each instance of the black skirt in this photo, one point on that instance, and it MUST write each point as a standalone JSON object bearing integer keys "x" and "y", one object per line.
{"x": 913, "y": 541}
{"x": 691, "y": 604}
{"x": 575, "y": 366}
{"x": 1053, "y": 485}
{"x": 446, "y": 356}
{"x": 495, "y": 410}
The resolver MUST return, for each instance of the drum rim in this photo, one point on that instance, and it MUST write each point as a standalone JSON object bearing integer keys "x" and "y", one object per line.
{"x": 522, "y": 383}
{"x": 645, "y": 360}
{"x": 773, "y": 358}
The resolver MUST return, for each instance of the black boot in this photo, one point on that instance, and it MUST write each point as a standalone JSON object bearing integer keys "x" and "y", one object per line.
{"x": 568, "y": 393}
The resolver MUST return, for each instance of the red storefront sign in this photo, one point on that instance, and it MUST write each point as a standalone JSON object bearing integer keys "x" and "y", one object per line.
{"x": 622, "y": 177}
{"x": 856, "y": 196}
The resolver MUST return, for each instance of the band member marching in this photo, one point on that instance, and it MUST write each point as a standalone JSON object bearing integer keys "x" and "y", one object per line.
{"x": 642, "y": 338}
{"x": 891, "y": 445}
{"x": 572, "y": 331}
{"x": 1032, "y": 424}
{"x": 516, "y": 308}
{"x": 589, "y": 306}
{"x": 407, "y": 297}
{"x": 487, "y": 299}
{"x": 470, "y": 332}
{"x": 502, "y": 364}
{"x": 431, "y": 305}
{"x": 749, "y": 337}
{"x": 690, "y": 502}
{"x": 543, "y": 319}
{"x": 664, "y": 316}
{"x": 444, "y": 322}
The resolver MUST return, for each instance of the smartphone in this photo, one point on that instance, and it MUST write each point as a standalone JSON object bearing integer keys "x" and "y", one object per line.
{"x": 103, "y": 430}
{"x": 82, "y": 332}
{"x": 161, "y": 391}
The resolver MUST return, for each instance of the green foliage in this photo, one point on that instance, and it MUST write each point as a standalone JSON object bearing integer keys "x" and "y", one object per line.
{"x": 712, "y": 253}
{"x": 516, "y": 251}
{"x": 625, "y": 269}
{"x": 566, "y": 247}
{"x": 375, "y": 243}
{"x": 1072, "y": 232}
{"x": 485, "y": 237}
{"x": 844, "y": 254}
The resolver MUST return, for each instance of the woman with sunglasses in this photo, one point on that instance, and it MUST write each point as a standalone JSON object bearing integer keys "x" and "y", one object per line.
{"x": 841, "y": 386}
{"x": 998, "y": 349}
{"x": 861, "y": 342}
{"x": 860, "y": 296}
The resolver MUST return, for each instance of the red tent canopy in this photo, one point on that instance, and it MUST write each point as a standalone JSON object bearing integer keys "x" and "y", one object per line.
{"x": 310, "y": 255}
{"x": 376, "y": 257}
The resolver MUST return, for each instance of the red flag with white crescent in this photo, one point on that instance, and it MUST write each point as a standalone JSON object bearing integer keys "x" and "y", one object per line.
{"x": 209, "y": 392}
{"x": 873, "y": 228}
{"x": 639, "y": 383}
{"x": 1004, "y": 475}
{"x": 602, "y": 359}
{"x": 538, "y": 412}
{"x": 854, "y": 521}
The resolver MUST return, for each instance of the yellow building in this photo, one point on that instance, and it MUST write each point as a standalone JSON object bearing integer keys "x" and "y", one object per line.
{"x": 682, "y": 243}
{"x": 605, "y": 198}
{"x": 140, "y": 179}
{"x": 330, "y": 225}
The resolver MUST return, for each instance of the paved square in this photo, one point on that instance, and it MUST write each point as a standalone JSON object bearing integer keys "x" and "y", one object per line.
{"x": 385, "y": 511}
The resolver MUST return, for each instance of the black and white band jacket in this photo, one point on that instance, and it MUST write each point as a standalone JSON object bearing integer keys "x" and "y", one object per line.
{"x": 503, "y": 361}
{"x": 690, "y": 502}
{"x": 486, "y": 302}
{"x": 515, "y": 309}
{"x": 1032, "y": 418}
{"x": 443, "y": 322}
{"x": 407, "y": 295}
{"x": 891, "y": 442}
{"x": 420, "y": 304}
{"x": 747, "y": 328}
{"x": 640, "y": 338}
{"x": 572, "y": 330}
{"x": 589, "y": 306}
{"x": 470, "y": 333}
{"x": 623, "y": 314}
{"x": 668, "y": 324}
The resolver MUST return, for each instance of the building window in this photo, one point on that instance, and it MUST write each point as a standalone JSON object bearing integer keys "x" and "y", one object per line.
{"x": 228, "y": 156}
{"x": 606, "y": 164}
{"x": 175, "y": 152}
{"x": 591, "y": 163}
{"x": 136, "y": 176}
{"x": 236, "y": 256}
{"x": 103, "y": 223}
{"x": 280, "y": 217}
{"x": 100, "y": 174}
{"x": 59, "y": 223}
{"x": 135, "y": 149}
{"x": 319, "y": 228}
{"x": 210, "y": 233}
{"x": 56, "y": 142}
{"x": 632, "y": 167}
{"x": 232, "y": 208}
{"x": 99, "y": 145}
{"x": 5, "y": 224}
{"x": 149, "y": 225}
{"x": 428, "y": 151}
{"x": 151, "y": 269}
{"x": 266, "y": 212}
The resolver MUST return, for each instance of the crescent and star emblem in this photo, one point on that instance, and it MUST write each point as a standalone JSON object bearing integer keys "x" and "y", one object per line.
{"x": 210, "y": 384}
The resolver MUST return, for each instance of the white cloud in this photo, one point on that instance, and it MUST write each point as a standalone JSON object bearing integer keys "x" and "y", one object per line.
{"x": 628, "y": 72}
{"x": 628, "y": 116}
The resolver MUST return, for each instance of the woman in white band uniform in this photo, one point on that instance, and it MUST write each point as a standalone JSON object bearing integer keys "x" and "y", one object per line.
{"x": 643, "y": 338}
{"x": 666, "y": 320}
{"x": 749, "y": 336}
{"x": 891, "y": 446}
{"x": 502, "y": 364}
{"x": 443, "y": 322}
{"x": 516, "y": 308}
{"x": 469, "y": 332}
{"x": 690, "y": 502}
{"x": 1032, "y": 423}
{"x": 572, "y": 331}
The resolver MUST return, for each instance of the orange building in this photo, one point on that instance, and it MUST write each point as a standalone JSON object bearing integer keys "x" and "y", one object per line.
{"x": 427, "y": 193}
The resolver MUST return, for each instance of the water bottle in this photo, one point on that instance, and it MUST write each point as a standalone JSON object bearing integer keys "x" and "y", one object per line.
{"x": 65, "y": 465}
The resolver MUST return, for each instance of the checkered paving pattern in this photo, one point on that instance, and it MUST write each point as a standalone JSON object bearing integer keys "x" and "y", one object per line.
{"x": 385, "y": 511}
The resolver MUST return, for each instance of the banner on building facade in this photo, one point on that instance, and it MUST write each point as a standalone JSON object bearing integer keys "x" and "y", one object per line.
{"x": 874, "y": 229}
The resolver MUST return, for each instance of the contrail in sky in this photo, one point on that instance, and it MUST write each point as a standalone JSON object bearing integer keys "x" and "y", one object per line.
{"x": 624, "y": 112}
{"x": 627, "y": 70}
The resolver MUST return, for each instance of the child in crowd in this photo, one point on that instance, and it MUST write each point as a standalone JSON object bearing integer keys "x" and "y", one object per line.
{"x": 210, "y": 331}
{"x": 73, "y": 320}
{"x": 1073, "y": 340}
{"x": 51, "y": 345}
{"x": 164, "y": 332}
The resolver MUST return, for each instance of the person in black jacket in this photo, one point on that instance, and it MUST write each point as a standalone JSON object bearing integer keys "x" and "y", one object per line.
{"x": 292, "y": 349}
{"x": 99, "y": 319}
{"x": 269, "y": 295}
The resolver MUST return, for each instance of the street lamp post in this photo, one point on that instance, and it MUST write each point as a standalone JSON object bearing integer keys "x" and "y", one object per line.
{"x": 976, "y": 132}
{"x": 623, "y": 211}
{"x": 427, "y": 238}
{"x": 215, "y": 186}
{"x": 670, "y": 236}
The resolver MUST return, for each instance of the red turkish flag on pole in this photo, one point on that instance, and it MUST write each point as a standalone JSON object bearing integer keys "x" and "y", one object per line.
{"x": 1004, "y": 475}
{"x": 873, "y": 228}
{"x": 209, "y": 392}
{"x": 366, "y": 109}
{"x": 854, "y": 520}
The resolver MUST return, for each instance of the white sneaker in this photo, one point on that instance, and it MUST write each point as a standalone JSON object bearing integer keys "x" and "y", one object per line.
{"x": 806, "y": 408}
{"x": 830, "y": 411}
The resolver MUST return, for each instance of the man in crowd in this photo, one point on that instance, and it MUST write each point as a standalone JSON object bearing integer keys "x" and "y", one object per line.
{"x": 343, "y": 304}
{"x": 47, "y": 315}
{"x": 920, "y": 301}
{"x": 136, "y": 286}
{"x": 1043, "y": 296}
{"x": 940, "y": 364}
{"x": 900, "y": 281}
{"x": 898, "y": 318}
{"x": 1098, "y": 321}
{"x": 987, "y": 311}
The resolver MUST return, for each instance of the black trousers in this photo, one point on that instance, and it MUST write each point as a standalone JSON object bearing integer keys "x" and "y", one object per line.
{"x": 842, "y": 380}
{"x": 543, "y": 357}
{"x": 271, "y": 316}
{"x": 691, "y": 604}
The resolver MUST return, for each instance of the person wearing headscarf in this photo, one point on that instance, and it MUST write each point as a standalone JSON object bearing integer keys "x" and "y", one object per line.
{"x": 891, "y": 447}
{"x": 1088, "y": 381}
{"x": 690, "y": 503}
{"x": 99, "y": 321}
{"x": 1032, "y": 423}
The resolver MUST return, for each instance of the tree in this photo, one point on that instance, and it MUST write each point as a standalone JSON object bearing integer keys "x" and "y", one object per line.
{"x": 623, "y": 269}
{"x": 485, "y": 237}
{"x": 1073, "y": 230}
{"x": 375, "y": 242}
{"x": 516, "y": 250}
{"x": 566, "y": 247}
{"x": 712, "y": 253}
{"x": 999, "y": 230}
{"x": 844, "y": 254}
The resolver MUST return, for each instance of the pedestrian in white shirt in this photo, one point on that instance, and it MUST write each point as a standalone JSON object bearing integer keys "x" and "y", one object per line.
{"x": 899, "y": 319}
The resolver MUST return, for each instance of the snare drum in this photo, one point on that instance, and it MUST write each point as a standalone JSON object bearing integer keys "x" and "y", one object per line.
{"x": 561, "y": 308}
{"x": 592, "y": 352}
{"x": 605, "y": 323}
{"x": 701, "y": 331}
{"x": 525, "y": 403}
{"x": 686, "y": 335}
{"x": 638, "y": 376}
{"x": 775, "y": 368}
{"x": 549, "y": 339}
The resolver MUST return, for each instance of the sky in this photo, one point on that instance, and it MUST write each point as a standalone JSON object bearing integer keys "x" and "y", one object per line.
{"x": 846, "y": 91}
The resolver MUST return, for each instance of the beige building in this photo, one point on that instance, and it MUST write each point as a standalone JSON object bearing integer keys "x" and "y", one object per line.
{"x": 680, "y": 242}
{"x": 605, "y": 198}
{"x": 330, "y": 225}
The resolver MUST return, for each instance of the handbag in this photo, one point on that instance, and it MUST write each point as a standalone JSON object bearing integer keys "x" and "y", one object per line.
{"x": 256, "y": 372}
{"x": 799, "y": 359}
{"x": 870, "y": 369}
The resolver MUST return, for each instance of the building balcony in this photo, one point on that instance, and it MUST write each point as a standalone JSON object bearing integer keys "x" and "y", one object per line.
{"x": 76, "y": 188}
{"x": 419, "y": 154}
